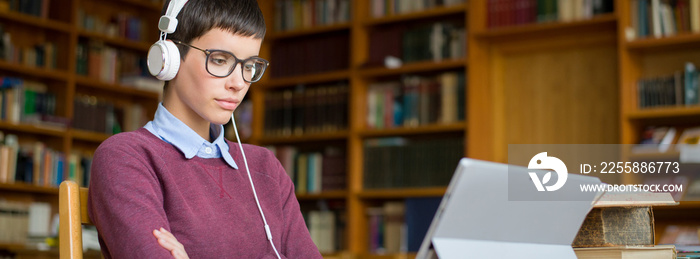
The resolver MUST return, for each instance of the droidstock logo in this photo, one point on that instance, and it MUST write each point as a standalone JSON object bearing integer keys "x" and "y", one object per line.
{"x": 542, "y": 161}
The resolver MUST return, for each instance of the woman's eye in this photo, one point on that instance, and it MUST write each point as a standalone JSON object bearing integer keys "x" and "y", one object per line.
{"x": 219, "y": 61}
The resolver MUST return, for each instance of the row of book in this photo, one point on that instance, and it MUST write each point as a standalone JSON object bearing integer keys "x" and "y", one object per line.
{"x": 302, "y": 14}
{"x": 502, "y": 13}
{"x": 660, "y": 18}
{"x": 30, "y": 102}
{"x": 39, "y": 8}
{"x": 381, "y": 8}
{"x": 400, "y": 226}
{"x": 93, "y": 114}
{"x": 409, "y": 43}
{"x": 311, "y": 54}
{"x": 37, "y": 164}
{"x": 398, "y": 162}
{"x": 38, "y": 55}
{"x": 326, "y": 221}
{"x": 121, "y": 25}
{"x": 416, "y": 101}
{"x": 21, "y": 220}
{"x": 324, "y": 230}
{"x": 108, "y": 64}
{"x": 313, "y": 171}
{"x": 681, "y": 88}
{"x": 306, "y": 110}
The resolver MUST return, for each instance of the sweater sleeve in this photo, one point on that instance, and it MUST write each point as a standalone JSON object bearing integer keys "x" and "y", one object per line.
{"x": 296, "y": 241}
{"x": 125, "y": 201}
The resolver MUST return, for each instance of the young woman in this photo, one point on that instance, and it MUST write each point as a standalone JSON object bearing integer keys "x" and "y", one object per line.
{"x": 176, "y": 187}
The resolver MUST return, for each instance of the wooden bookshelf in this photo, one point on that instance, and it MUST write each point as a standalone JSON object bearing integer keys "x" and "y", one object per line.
{"x": 119, "y": 89}
{"x": 686, "y": 40}
{"x": 314, "y": 137}
{"x": 359, "y": 76}
{"x": 325, "y": 195}
{"x": 33, "y": 129}
{"x": 419, "y": 130}
{"x": 308, "y": 31}
{"x": 664, "y": 112}
{"x": 648, "y": 57}
{"x": 89, "y": 136}
{"x": 436, "y": 12}
{"x": 62, "y": 28}
{"x": 28, "y": 188}
{"x": 305, "y": 79}
{"x": 414, "y": 67}
{"x": 116, "y": 41}
{"x": 402, "y": 193}
{"x": 34, "y": 72}
{"x": 604, "y": 21}
{"x": 36, "y": 22}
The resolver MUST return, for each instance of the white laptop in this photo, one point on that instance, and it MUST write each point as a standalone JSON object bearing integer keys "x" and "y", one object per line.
{"x": 476, "y": 218}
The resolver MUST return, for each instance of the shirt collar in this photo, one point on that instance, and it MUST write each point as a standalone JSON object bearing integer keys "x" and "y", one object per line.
{"x": 172, "y": 130}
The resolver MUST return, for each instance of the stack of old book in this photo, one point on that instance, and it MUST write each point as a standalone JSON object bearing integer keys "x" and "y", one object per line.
{"x": 621, "y": 225}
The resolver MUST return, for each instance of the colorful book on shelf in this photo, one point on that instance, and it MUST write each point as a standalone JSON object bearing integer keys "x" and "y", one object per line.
{"x": 322, "y": 229}
{"x": 402, "y": 163}
{"x": 306, "y": 110}
{"x": 655, "y": 140}
{"x": 691, "y": 83}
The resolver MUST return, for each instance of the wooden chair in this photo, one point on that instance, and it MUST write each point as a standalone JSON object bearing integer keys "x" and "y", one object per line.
{"x": 72, "y": 203}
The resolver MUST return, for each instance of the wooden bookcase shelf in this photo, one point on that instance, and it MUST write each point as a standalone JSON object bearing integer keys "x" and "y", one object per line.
{"x": 436, "y": 12}
{"x": 419, "y": 130}
{"x": 414, "y": 67}
{"x": 670, "y": 43}
{"x": 308, "y": 31}
{"x": 119, "y": 89}
{"x": 116, "y": 41}
{"x": 28, "y": 188}
{"x": 35, "y": 22}
{"x": 326, "y": 195}
{"x": 62, "y": 28}
{"x": 296, "y": 139}
{"x": 156, "y": 7}
{"x": 306, "y": 79}
{"x": 664, "y": 112}
{"x": 34, "y": 72}
{"x": 84, "y": 135}
{"x": 402, "y": 193}
{"x": 33, "y": 129}
{"x": 358, "y": 76}
{"x": 605, "y": 21}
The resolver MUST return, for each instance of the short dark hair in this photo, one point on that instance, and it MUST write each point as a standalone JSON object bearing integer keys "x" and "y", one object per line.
{"x": 242, "y": 17}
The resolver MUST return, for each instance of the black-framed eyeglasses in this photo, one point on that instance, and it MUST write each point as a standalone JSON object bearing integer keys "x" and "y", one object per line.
{"x": 221, "y": 63}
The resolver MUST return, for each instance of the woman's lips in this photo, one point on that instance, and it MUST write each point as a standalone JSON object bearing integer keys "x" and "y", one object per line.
{"x": 228, "y": 104}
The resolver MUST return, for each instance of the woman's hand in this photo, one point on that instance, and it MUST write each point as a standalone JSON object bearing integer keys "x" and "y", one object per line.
{"x": 168, "y": 241}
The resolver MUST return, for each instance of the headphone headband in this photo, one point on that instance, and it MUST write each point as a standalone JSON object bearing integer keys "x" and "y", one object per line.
{"x": 168, "y": 22}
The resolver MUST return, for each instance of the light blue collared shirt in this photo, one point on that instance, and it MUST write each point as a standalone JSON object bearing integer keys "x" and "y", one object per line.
{"x": 172, "y": 130}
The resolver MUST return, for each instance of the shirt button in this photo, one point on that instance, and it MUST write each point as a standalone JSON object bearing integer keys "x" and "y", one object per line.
{"x": 207, "y": 150}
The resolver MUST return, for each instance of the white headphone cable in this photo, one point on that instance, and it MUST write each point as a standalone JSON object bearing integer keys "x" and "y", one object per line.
{"x": 245, "y": 161}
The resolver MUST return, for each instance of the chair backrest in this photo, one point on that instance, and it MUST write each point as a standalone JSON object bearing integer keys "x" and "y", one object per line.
{"x": 72, "y": 209}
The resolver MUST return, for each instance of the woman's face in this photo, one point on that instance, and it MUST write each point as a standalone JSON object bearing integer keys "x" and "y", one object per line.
{"x": 196, "y": 97}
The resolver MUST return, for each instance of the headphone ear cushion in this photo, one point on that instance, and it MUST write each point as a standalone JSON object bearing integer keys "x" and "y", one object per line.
{"x": 163, "y": 60}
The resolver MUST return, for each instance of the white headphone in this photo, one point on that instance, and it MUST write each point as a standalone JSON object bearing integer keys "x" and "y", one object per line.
{"x": 163, "y": 56}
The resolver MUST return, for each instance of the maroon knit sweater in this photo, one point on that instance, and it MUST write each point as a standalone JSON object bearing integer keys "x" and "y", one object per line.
{"x": 139, "y": 183}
